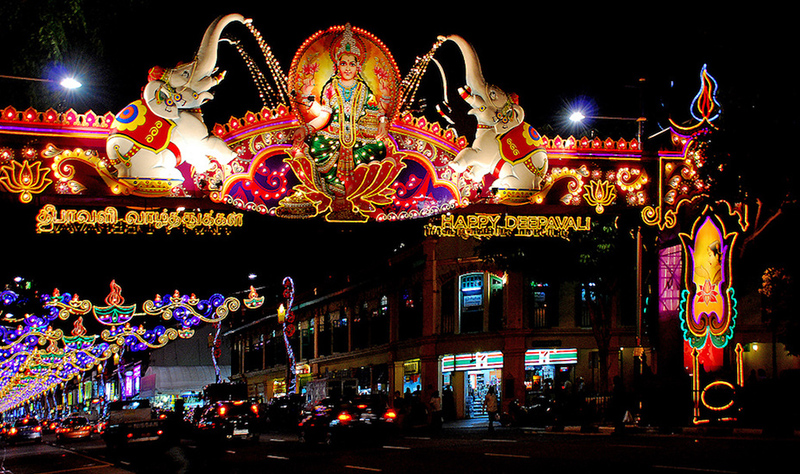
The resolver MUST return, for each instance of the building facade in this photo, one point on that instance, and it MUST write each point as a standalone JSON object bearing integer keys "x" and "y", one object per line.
{"x": 439, "y": 316}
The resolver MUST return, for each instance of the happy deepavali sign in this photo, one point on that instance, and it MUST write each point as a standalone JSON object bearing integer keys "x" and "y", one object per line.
{"x": 485, "y": 226}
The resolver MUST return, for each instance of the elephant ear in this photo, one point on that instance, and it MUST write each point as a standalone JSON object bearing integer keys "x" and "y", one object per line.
{"x": 516, "y": 117}
{"x": 157, "y": 97}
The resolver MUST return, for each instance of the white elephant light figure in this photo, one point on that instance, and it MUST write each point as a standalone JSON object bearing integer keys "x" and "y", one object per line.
{"x": 150, "y": 137}
{"x": 504, "y": 146}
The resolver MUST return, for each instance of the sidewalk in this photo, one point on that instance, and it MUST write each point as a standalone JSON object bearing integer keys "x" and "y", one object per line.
{"x": 482, "y": 424}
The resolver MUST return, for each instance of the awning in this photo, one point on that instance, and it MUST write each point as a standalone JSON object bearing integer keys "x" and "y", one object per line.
{"x": 178, "y": 379}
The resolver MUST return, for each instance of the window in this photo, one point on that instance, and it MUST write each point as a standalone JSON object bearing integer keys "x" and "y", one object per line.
{"x": 339, "y": 324}
{"x": 669, "y": 279}
{"x": 306, "y": 339}
{"x": 587, "y": 295}
{"x": 541, "y": 307}
{"x": 471, "y": 299}
{"x": 361, "y": 322}
{"x": 495, "y": 303}
{"x": 410, "y": 313}
{"x": 379, "y": 325}
{"x": 448, "y": 320}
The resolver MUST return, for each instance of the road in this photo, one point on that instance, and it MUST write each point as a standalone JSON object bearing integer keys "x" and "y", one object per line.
{"x": 510, "y": 451}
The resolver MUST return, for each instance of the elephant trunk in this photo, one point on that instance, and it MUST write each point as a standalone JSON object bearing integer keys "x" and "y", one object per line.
{"x": 474, "y": 72}
{"x": 207, "y": 53}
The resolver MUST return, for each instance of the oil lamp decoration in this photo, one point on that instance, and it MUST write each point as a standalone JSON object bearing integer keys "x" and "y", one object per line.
{"x": 190, "y": 311}
{"x": 35, "y": 355}
{"x": 253, "y": 300}
{"x": 115, "y": 312}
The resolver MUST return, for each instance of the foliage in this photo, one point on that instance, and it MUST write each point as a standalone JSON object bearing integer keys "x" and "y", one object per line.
{"x": 778, "y": 294}
{"x": 53, "y": 38}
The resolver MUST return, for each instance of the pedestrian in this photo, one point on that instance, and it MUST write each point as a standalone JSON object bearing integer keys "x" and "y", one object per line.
{"x": 436, "y": 411}
{"x": 490, "y": 403}
{"x": 448, "y": 404}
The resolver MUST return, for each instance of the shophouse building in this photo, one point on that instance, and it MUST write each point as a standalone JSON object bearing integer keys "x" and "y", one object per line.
{"x": 439, "y": 316}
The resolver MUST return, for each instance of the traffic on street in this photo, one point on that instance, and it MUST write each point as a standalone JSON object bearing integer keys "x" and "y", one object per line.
{"x": 460, "y": 447}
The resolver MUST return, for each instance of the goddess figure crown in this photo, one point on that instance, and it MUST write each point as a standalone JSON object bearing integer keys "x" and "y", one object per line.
{"x": 348, "y": 44}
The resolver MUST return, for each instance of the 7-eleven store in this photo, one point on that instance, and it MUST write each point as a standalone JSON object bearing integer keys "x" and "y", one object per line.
{"x": 470, "y": 375}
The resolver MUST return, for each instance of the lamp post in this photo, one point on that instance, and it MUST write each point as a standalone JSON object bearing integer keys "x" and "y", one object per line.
{"x": 66, "y": 83}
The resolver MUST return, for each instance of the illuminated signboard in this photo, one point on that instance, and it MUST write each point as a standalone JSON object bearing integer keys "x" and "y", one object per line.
{"x": 51, "y": 220}
{"x": 535, "y": 357}
{"x": 485, "y": 226}
{"x": 472, "y": 361}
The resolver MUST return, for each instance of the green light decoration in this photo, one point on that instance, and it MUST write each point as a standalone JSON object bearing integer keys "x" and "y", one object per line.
{"x": 36, "y": 355}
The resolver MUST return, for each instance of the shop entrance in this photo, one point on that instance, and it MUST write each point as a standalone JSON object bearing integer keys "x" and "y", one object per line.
{"x": 468, "y": 377}
{"x": 478, "y": 383}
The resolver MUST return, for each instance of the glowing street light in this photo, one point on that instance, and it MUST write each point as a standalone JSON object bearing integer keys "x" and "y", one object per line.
{"x": 66, "y": 83}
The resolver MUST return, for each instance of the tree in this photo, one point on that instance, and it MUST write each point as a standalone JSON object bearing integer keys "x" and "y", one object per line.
{"x": 778, "y": 311}
{"x": 604, "y": 259}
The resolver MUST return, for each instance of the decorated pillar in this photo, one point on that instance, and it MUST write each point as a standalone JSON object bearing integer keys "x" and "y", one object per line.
{"x": 708, "y": 318}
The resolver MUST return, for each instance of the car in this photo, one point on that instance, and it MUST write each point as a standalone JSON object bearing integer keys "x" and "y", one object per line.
{"x": 283, "y": 413}
{"x": 25, "y": 429}
{"x": 74, "y": 427}
{"x": 100, "y": 425}
{"x": 49, "y": 425}
{"x": 4, "y": 429}
{"x": 228, "y": 419}
{"x": 333, "y": 420}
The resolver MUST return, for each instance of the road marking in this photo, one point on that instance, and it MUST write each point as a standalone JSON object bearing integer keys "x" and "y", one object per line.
{"x": 277, "y": 440}
{"x": 272, "y": 456}
{"x": 363, "y": 468}
{"x": 694, "y": 469}
{"x": 84, "y": 468}
{"x": 424, "y": 438}
{"x": 501, "y": 455}
{"x": 230, "y": 451}
{"x": 496, "y": 440}
{"x": 396, "y": 447}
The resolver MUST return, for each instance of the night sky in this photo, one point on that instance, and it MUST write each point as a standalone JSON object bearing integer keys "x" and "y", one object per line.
{"x": 551, "y": 56}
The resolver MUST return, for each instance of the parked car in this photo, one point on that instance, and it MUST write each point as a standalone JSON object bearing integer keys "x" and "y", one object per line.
{"x": 229, "y": 419}
{"x": 332, "y": 420}
{"x": 25, "y": 429}
{"x": 74, "y": 427}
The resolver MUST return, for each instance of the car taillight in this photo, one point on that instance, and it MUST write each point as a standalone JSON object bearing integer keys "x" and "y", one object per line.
{"x": 223, "y": 410}
{"x": 391, "y": 414}
{"x": 12, "y": 431}
{"x": 344, "y": 416}
{"x": 361, "y": 407}
{"x": 38, "y": 428}
{"x": 254, "y": 409}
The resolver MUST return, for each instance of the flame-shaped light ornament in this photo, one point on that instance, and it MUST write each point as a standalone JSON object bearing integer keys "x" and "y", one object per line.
{"x": 705, "y": 107}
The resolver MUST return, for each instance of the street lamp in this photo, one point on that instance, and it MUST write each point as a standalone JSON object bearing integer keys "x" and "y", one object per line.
{"x": 66, "y": 83}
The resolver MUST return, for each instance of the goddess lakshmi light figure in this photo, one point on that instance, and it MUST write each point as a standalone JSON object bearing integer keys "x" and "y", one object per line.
{"x": 348, "y": 124}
